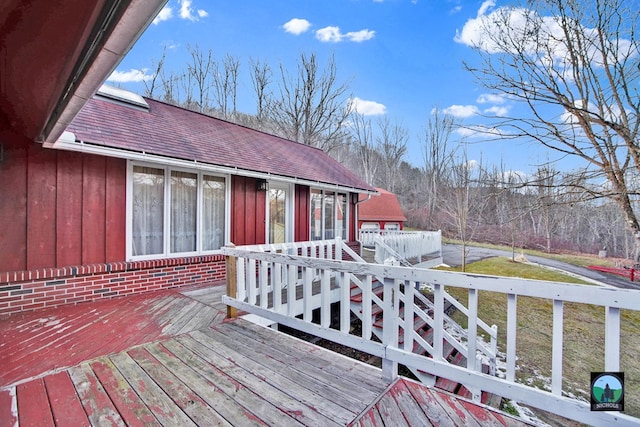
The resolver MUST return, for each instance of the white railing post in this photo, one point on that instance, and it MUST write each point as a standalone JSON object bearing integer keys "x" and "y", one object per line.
{"x": 472, "y": 329}
{"x": 557, "y": 347}
{"x": 325, "y": 297}
{"x": 292, "y": 279}
{"x": 438, "y": 321}
{"x": 494, "y": 349}
{"x": 390, "y": 314}
{"x": 345, "y": 301}
{"x": 366, "y": 308}
{"x": 307, "y": 291}
{"x": 612, "y": 339}
{"x": 512, "y": 324}
{"x": 263, "y": 283}
{"x": 277, "y": 286}
{"x": 251, "y": 281}
{"x": 409, "y": 314}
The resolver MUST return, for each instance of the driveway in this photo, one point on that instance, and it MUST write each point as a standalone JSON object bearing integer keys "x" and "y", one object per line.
{"x": 452, "y": 255}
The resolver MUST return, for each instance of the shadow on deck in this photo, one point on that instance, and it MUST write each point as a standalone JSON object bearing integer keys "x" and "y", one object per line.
{"x": 169, "y": 358}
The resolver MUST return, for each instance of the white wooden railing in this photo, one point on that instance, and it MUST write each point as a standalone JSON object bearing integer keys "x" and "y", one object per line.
{"x": 264, "y": 283}
{"x": 403, "y": 244}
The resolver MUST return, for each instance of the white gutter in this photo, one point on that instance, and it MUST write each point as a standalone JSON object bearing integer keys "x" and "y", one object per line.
{"x": 68, "y": 142}
{"x": 101, "y": 57}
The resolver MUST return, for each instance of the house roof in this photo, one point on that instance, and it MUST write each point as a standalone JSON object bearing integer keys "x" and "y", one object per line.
{"x": 384, "y": 207}
{"x": 176, "y": 133}
{"x": 56, "y": 54}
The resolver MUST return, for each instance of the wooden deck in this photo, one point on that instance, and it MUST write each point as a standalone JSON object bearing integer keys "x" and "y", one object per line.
{"x": 170, "y": 359}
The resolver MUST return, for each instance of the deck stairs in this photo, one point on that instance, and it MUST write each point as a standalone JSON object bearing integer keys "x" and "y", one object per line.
{"x": 454, "y": 351}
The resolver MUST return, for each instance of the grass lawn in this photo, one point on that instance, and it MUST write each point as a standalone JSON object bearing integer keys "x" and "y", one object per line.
{"x": 583, "y": 332}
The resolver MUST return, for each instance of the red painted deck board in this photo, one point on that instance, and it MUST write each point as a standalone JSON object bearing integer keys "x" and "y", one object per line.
{"x": 8, "y": 408}
{"x": 34, "y": 343}
{"x": 65, "y": 403}
{"x": 33, "y": 404}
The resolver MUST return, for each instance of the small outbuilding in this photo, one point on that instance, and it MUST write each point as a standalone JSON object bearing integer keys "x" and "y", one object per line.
{"x": 380, "y": 212}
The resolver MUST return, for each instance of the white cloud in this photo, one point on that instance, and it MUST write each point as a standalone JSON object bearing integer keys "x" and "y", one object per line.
{"x": 360, "y": 36}
{"x": 490, "y": 98}
{"x": 132, "y": 75}
{"x": 186, "y": 11}
{"x": 497, "y": 110}
{"x": 165, "y": 14}
{"x": 486, "y": 5}
{"x": 334, "y": 35}
{"x": 367, "y": 108}
{"x": 461, "y": 111}
{"x": 296, "y": 26}
{"x": 329, "y": 34}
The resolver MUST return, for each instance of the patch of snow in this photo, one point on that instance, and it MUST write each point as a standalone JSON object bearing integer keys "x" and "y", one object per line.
{"x": 52, "y": 323}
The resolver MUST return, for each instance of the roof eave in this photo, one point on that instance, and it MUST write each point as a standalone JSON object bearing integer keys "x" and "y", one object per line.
{"x": 102, "y": 54}
{"x": 67, "y": 142}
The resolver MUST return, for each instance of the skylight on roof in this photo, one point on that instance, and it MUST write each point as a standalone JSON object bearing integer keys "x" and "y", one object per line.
{"x": 122, "y": 96}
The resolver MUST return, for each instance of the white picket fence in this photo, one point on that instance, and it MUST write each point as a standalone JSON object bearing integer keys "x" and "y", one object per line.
{"x": 391, "y": 245}
{"x": 279, "y": 283}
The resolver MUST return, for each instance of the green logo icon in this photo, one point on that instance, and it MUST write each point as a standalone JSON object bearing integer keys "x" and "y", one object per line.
{"x": 607, "y": 391}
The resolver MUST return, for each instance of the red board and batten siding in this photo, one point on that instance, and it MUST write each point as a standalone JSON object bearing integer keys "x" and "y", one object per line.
{"x": 60, "y": 209}
{"x": 64, "y": 224}
{"x": 63, "y": 239}
{"x": 302, "y": 228}
{"x": 248, "y": 212}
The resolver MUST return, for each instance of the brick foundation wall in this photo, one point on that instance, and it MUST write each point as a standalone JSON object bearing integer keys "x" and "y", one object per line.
{"x": 51, "y": 287}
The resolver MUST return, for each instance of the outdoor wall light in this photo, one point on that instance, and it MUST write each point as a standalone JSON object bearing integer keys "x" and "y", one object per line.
{"x": 262, "y": 185}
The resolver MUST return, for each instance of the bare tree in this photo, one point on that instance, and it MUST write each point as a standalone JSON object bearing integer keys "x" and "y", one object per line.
{"x": 392, "y": 146}
{"x": 261, "y": 75}
{"x": 200, "y": 72}
{"x": 466, "y": 200}
{"x": 225, "y": 85}
{"x": 361, "y": 134}
{"x": 151, "y": 85}
{"x": 438, "y": 160}
{"x": 574, "y": 64}
{"x": 311, "y": 108}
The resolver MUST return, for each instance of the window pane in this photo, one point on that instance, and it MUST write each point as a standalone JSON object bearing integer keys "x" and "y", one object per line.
{"x": 316, "y": 215}
{"x": 277, "y": 215}
{"x": 183, "y": 211}
{"x": 341, "y": 220}
{"x": 148, "y": 211}
{"x": 329, "y": 215}
{"x": 213, "y": 202}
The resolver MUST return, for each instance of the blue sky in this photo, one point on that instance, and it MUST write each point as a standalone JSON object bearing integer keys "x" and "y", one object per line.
{"x": 401, "y": 58}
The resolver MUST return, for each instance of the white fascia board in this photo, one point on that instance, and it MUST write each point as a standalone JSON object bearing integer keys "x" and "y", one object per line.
{"x": 68, "y": 142}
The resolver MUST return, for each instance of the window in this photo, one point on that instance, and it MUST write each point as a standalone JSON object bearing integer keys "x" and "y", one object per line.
{"x": 328, "y": 215}
{"x": 279, "y": 213}
{"x": 182, "y": 214}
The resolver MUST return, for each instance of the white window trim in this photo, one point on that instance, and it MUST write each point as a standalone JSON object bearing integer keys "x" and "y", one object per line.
{"x": 347, "y": 213}
{"x": 167, "y": 208}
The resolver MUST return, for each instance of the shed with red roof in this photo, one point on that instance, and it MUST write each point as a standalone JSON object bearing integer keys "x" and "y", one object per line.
{"x": 380, "y": 212}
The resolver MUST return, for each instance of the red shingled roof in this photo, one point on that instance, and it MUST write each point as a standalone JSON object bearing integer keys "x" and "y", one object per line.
{"x": 174, "y": 132}
{"x": 384, "y": 207}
